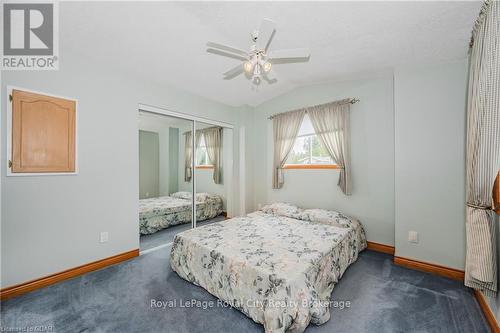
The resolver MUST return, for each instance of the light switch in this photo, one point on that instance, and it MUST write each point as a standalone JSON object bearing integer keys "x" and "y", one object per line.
{"x": 413, "y": 237}
{"x": 104, "y": 237}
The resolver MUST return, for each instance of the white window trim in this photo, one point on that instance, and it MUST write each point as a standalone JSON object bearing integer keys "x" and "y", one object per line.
{"x": 9, "y": 135}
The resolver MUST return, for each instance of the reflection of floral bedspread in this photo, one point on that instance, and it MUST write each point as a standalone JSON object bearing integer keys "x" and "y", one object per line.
{"x": 279, "y": 271}
{"x": 159, "y": 213}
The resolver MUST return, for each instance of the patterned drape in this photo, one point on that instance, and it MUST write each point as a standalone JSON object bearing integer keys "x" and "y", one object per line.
{"x": 331, "y": 124}
{"x": 188, "y": 154}
{"x": 188, "y": 157}
{"x": 213, "y": 142}
{"x": 286, "y": 126}
{"x": 483, "y": 150}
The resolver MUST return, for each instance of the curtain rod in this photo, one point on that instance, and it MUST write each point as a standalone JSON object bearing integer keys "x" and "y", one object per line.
{"x": 347, "y": 100}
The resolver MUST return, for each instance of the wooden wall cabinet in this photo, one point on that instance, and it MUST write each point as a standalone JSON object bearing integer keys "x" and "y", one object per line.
{"x": 43, "y": 133}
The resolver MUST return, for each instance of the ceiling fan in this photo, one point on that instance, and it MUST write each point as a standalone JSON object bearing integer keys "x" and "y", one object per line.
{"x": 258, "y": 62}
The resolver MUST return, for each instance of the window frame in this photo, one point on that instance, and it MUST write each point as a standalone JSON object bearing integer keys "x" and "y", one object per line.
{"x": 290, "y": 166}
{"x": 9, "y": 124}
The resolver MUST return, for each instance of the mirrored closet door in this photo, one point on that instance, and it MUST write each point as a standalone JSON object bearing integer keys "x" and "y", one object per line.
{"x": 174, "y": 163}
{"x": 165, "y": 178}
{"x": 213, "y": 173}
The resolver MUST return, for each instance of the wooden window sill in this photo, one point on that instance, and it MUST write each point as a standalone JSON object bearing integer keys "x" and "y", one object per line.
{"x": 311, "y": 166}
{"x": 204, "y": 167}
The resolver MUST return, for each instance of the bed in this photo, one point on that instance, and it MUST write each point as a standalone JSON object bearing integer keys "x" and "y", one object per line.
{"x": 159, "y": 213}
{"x": 278, "y": 265}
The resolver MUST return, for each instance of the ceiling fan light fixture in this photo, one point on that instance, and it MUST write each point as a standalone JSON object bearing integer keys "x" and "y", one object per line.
{"x": 267, "y": 66}
{"x": 248, "y": 67}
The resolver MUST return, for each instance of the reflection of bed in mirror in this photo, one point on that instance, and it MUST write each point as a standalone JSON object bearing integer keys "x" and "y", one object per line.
{"x": 174, "y": 163}
{"x": 159, "y": 213}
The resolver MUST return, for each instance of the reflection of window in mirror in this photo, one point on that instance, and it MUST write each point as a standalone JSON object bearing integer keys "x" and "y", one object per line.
{"x": 202, "y": 159}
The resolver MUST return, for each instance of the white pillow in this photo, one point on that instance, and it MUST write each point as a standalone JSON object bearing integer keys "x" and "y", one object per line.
{"x": 281, "y": 208}
{"x": 329, "y": 217}
{"x": 182, "y": 195}
{"x": 200, "y": 197}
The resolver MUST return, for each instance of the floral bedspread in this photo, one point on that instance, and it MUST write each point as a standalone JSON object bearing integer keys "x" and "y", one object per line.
{"x": 159, "y": 213}
{"x": 279, "y": 271}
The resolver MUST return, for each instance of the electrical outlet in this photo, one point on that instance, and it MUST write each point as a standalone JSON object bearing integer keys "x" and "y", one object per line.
{"x": 104, "y": 237}
{"x": 259, "y": 206}
{"x": 413, "y": 237}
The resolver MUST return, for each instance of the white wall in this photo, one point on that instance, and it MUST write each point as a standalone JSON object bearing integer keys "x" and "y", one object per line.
{"x": 164, "y": 159}
{"x": 372, "y": 137}
{"x": 430, "y": 162}
{"x": 149, "y": 174}
{"x": 52, "y": 223}
{"x": 163, "y": 180}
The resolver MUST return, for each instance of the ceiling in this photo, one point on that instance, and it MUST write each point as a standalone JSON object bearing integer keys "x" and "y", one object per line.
{"x": 164, "y": 42}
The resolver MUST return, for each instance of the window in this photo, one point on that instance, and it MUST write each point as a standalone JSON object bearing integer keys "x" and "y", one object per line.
{"x": 308, "y": 152}
{"x": 202, "y": 161}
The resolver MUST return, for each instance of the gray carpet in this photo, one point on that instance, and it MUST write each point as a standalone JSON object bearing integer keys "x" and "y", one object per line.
{"x": 166, "y": 236}
{"x": 384, "y": 298}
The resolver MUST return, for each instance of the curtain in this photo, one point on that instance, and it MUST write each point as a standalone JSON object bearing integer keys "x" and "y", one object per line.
{"x": 213, "y": 141}
{"x": 331, "y": 124}
{"x": 188, "y": 154}
{"x": 285, "y": 129}
{"x": 483, "y": 150}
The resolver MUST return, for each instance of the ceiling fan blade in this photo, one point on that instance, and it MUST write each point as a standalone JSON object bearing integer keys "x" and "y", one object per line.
{"x": 227, "y": 48}
{"x": 233, "y": 72}
{"x": 290, "y": 53}
{"x": 227, "y": 54}
{"x": 266, "y": 31}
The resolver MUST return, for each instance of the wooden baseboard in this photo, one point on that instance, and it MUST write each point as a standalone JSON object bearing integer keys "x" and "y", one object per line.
{"x": 26, "y": 287}
{"x": 448, "y": 272}
{"x": 380, "y": 248}
{"x": 488, "y": 314}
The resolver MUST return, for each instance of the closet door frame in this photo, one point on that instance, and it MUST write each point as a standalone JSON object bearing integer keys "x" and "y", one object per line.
{"x": 194, "y": 119}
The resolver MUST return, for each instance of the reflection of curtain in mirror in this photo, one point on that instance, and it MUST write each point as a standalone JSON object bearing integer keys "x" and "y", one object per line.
{"x": 188, "y": 153}
{"x": 188, "y": 156}
{"x": 213, "y": 142}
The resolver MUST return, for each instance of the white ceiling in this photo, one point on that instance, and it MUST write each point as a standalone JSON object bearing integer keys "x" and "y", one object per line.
{"x": 165, "y": 41}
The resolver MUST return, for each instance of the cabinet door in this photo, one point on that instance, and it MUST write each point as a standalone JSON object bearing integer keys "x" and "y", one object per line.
{"x": 43, "y": 133}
